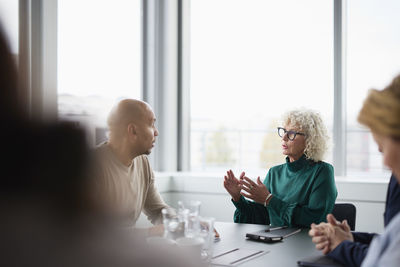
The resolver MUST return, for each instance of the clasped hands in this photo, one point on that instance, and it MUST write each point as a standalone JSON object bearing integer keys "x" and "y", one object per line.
{"x": 327, "y": 236}
{"x": 246, "y": 187}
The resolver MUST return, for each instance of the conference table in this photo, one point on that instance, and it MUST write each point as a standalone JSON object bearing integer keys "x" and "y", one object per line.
{"x": 283, "y": 253}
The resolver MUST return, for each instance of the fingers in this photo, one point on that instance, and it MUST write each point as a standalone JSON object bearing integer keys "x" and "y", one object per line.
{"x": 246, "y": 195}
{"x": 326, "y": 250}
{"x": 318, "y": 230}
{"x": 346, "y": 226}
{"x": 312, "y": 231}
{"x": 319, "y": 239}
{"x": 225, "y": 182}
{"x": 332, "y": 220}
{"x": 230, "y": 183}
{"x": 230, "y": 174}
{"x": 259, "y": 181}
{"x": 315, "y": 232}
{"x": 231, "y": 177}
{"x": 249, "y": 181}
{"x": 320, "y": 236}
{"x": 323, "y": 245}
{"x": 245, "y": 184}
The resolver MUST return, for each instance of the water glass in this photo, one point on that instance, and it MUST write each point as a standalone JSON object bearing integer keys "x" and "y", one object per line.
{"x": 174, "y": 225}
{"x": 206, "y": 232}
{"x": 192, "y": 226}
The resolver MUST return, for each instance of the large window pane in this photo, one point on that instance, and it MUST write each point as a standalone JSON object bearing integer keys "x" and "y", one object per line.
{"x": 98, "y": 58}
{"x": 252, "y": 60}
{"x": 9, "y": 22}
{"x": 373, "y": 57}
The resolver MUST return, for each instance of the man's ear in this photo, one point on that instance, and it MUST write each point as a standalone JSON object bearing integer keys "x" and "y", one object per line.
{"x": 132, "y": 130}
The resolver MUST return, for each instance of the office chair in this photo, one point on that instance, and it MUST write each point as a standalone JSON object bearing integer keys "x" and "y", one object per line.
{"x": 345, "y": 211}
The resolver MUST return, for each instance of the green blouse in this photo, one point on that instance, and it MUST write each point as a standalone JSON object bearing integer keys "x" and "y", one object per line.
{"x": 304, "y": 192}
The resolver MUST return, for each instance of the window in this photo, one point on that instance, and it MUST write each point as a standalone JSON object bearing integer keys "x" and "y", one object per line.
{"x": 373, "y": 58}
{"x": 9, "y": 22}
{"x": 99, "y": 59}
{"x": 252, "y": 60}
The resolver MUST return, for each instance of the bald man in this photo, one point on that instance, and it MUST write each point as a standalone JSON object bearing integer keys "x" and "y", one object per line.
{"x": 124, "y": 176}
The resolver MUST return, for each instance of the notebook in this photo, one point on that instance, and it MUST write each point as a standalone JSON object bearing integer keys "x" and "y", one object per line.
{"x": 318, "y": 261}
{"x": 273, "y": 234}
{"x": 236, "y": 256}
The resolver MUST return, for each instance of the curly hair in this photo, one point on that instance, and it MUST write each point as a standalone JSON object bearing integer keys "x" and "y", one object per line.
{"x": 316, "y": 134}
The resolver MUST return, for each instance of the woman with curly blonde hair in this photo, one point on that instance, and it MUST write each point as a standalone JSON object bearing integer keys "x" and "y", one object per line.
{"x": 297, "y": 193}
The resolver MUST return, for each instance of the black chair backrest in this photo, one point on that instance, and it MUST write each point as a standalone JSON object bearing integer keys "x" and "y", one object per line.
{"x": 345, "y": 211}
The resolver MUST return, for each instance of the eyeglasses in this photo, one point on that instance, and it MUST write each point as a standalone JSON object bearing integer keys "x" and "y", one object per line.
{"x": 290, "y": 134}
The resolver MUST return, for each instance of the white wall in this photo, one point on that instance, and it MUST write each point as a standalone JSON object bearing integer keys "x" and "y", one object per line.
{"x": 368, "y": 197}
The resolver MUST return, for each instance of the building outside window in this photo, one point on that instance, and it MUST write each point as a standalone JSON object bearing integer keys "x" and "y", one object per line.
{"x": 251, "y": 61}
{"x": 99, "y": 59}
{"x": 373, "y": 58}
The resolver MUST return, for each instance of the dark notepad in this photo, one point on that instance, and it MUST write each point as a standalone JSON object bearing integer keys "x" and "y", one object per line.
{"x": 318, "y": 261}
{"x": 272, "y": 234}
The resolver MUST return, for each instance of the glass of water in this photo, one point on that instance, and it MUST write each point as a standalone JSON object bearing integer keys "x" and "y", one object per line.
{"x": 206, "y": 232}
{"x": 174, "y": 226}
{"x": 192, "y": 226}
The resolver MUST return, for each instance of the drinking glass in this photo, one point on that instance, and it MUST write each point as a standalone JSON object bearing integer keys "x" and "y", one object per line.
{"x": 206, "y": 232}
{"x": 174, "y": 226}
{"x": 192, "y": 226}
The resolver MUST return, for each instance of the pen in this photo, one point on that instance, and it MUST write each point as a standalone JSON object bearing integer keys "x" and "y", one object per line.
{"x": 275, "y": 228}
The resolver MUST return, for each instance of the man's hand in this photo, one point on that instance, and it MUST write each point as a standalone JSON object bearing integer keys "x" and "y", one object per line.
{"x": 327, "y": 236}
{"x": 157, "y": 230}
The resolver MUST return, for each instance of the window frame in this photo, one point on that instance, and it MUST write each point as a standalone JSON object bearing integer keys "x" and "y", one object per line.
{"x": 165, "y": 73}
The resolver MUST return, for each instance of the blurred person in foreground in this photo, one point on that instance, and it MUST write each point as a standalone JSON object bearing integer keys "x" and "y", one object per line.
{"x": 381, "y": 114}
{"x": 296, "y": 193}
{"x": 124, "y": 178}
{"x": 46, "y": 216}
{"x": 351, "y": 248}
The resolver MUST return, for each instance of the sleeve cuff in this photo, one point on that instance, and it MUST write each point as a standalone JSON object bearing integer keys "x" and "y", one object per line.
{"x": 274, "y": 202}
{"x": 337, "y": 253}
{"x": 239, "y": 204}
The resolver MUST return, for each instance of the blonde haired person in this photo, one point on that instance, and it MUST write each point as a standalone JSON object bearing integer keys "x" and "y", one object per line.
{"x": 296, "y": 193}
{"x": 380, "y": 113}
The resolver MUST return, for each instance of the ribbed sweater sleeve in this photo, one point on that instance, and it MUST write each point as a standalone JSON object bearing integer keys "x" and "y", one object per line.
{"x": 250, "y": 212}
{"x": 322, "y": 198}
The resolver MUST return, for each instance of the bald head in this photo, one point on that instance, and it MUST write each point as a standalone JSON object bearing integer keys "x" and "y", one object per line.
{"x": 125, "y": 112}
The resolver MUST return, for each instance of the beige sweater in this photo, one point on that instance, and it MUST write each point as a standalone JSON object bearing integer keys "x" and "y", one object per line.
{"x": 127, "y": 191}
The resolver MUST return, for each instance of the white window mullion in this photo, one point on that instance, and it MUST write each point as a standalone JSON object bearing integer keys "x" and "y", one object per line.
{"x": 160, "y": 77}
{"x": 339, "y": 114}
{"x": 38, "y": 49}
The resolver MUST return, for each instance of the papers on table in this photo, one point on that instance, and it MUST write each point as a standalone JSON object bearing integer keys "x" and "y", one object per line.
{"x": 236, "y": 256}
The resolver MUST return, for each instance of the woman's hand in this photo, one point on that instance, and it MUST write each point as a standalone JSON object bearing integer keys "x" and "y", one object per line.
{"x": 255, "y": 191}
{"x": 232, "y": 184}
